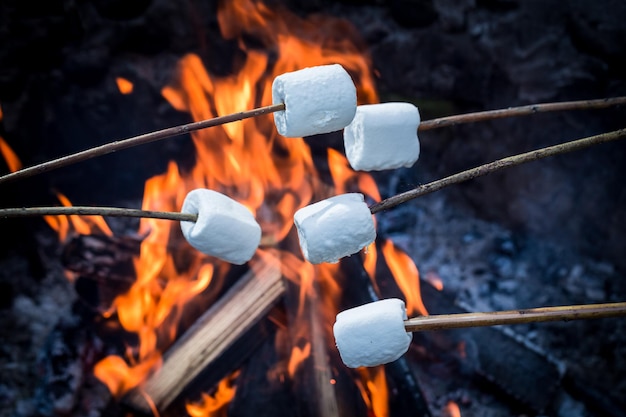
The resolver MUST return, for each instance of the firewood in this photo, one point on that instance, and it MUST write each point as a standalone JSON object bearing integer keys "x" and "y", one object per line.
{"x": 247, "y": 302}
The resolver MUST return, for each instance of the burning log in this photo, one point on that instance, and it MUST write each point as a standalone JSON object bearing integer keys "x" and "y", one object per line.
{"x": 314, "y": 373}
{"x": 247, "y": 302}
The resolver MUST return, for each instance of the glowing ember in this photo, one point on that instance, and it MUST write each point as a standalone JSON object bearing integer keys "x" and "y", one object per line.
{"x": 125, "y": 86}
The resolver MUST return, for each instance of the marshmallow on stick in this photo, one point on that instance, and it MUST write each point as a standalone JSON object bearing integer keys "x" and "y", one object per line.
{"x": 317, "y": 100}
{"x": 333, "y": 228}
{"x": 383, "y": 136}
{"x": 372, "y": 334}
{"x": 225, "y": 228}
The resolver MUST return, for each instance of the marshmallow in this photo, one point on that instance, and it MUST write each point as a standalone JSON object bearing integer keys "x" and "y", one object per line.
{"x": 317, "y": 100}
{"x": 383, "y": 136}
{"x": 225, "y": 228}
{"x": 372, "y": 334}
{"x": 333, "y": 228}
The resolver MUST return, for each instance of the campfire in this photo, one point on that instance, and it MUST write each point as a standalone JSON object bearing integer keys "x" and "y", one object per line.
{"x": 177, "y": 331}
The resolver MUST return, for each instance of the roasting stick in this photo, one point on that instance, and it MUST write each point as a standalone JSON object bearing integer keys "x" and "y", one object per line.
{"x": 520, "y": 111}
{"x": 499, "y": 164}
{"x": 137, "y": 140}
{"x": 379, "y": 332}
{"x": 190, "y": 127}
{"x": 533, "y": 315}
{"x": 95, "y": 211}
{"x": 383, "y": 205}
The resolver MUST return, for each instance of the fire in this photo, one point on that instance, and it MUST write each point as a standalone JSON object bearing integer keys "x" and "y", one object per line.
{"x": 83, "y": 225}
{"x": 407, "y": 277}
{"x": 120, "y": 377}
{"x": 452, "y": 409}
{"x": 297, "y": 356}
{"x": 373, "y": 388}
{"x": 215, "y": 405}
{"x": 434, "y": 280}
{"x": 125, "y": 86}
{"x": 10, "y": 157}
{"x": 271, "y": 175}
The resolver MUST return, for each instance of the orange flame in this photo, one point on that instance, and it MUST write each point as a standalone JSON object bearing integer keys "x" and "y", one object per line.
{"x": 374, "y": 391}
{"x": 271, "y": 175}
{"x": 83, "y": 225}
{"x": 125, "y": 86}
{"x": 119, "y": 377}
{"x": 434, "y": 280}
{"x": 13, "y": 162}
{"x": 407, "y": 277}
{"x": 452, "y": 409}
{"x": 153, "y": 305}
{"x": 298, "y": 355}
{"x": 215, "y": 405}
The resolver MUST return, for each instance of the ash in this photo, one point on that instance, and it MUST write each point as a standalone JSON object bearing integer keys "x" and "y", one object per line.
{"x": 489, "y": 267}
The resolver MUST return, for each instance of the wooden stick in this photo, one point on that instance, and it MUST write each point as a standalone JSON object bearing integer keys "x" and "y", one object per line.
{"x": 182, "y": 129}
{"x": 243, "y": 305}
{"x": 375, "y": 208}
{"x": 533, "y": 315}
{"x": 520, "y": 111}
{"x": 95, "y": 211}
{"x": 495, "y": 166}
{"x": 137, "y": 140}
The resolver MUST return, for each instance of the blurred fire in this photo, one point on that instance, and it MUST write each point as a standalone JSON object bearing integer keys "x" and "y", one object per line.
{"x": 83, "y": 225}
{"x": 452, "y": 409}
{"x": 271, "y": 175}
{"x": 434, "y": 280}
{"x": 11, "y": 159}
{"x": 125, "y": 86}
{"x": 215, "y": 405}
{"x": 407, "y": 277}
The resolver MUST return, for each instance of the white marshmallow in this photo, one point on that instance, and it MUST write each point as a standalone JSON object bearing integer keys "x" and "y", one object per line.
{"x": 225, "y": 228}
{"x": 317, "y": 100}
{"x": 383, "y": 136}
{"x": 333, "y": 228}
{"x": 372, "y": 334}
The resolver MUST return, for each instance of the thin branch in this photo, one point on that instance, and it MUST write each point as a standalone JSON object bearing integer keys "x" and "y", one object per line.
{"x": 179, "y": 130}
{"x": 533, "y": 315}
{"x": 135, "y": 141}
{"x": 520, "y": 111}
{"x": 97, "y": 211}
{"x": 495, "y": 166}
{"x": 375, "y": 208}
